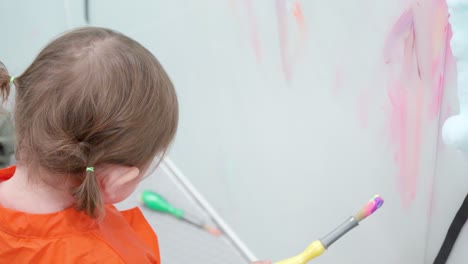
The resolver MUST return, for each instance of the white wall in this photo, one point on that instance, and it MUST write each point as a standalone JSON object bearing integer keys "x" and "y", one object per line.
{"x": 282, "y": 162}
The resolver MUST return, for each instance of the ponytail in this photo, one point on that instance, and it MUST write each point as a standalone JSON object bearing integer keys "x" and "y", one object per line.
{"x": 88, "y": 195}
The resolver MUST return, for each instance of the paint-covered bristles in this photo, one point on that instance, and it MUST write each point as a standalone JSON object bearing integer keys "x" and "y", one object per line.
{"x": 374, "y": 204}
{"x": 212, "y": 230}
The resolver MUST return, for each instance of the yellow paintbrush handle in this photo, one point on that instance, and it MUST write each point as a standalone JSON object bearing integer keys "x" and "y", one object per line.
{"x": 312, "y": 251}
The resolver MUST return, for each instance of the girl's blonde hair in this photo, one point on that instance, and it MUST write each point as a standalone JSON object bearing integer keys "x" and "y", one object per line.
{"x": 92, "y": 96}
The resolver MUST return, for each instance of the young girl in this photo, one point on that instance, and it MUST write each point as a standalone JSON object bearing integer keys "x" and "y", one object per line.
{"x": 91, "y": 113}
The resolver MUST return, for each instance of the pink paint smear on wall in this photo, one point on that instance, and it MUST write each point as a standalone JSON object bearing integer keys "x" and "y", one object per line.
{"x": 401, "y": 56}
{"x": 289, "y": 54}
{"x": 254, "y": 35}
{"x": 441, "y": 55}
{"x": 415, "y": 38}
{"x": 248, "y": 16}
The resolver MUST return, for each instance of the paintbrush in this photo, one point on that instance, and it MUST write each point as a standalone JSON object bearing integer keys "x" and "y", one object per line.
{"x": 319, "y": 246}
{"x": 157, "y": 203}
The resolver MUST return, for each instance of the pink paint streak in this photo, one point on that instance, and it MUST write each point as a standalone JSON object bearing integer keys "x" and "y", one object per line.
{"x": 412, "y": 175}
{"x": 244, "y": 12}
{"x": 406, "y": 96}
{"x": 298, "y": 13}
{"x": 281, "y": 13}
{"x": 398, "y": 123}
{"x": 253, "y": 26}
{"x": 439, "y": 69}
{"x": 404, "y": 53}
{"x": 403, "y": 25}
{"x": 290, "y": 54}
{"x": 434, "y": 107}
{"x": 302, "y": 30}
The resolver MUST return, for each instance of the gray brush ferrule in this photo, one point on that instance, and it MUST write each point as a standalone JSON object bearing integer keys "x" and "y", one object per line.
{"x": 334, "y": 235}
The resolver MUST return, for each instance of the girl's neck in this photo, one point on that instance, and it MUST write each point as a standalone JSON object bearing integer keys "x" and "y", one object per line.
{"x": 33, "y": 196}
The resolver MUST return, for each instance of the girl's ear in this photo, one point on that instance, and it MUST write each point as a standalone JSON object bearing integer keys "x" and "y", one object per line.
{"x": 117, "y": 182}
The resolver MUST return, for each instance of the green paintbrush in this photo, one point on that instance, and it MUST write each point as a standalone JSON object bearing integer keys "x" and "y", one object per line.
{"x": 157, "y": 203}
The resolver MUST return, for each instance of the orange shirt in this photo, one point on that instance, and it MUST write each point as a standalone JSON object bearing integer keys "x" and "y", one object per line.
{"x": 70, "y": 236}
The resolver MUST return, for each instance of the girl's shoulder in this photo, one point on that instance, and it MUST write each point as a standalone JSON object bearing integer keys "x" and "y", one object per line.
{"x": 129, "y": 235}
{"x": 70, "y": 236}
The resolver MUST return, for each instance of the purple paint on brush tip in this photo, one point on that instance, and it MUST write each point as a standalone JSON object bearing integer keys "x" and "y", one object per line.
{"x": 379, "y": 202}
